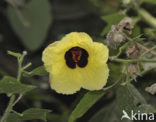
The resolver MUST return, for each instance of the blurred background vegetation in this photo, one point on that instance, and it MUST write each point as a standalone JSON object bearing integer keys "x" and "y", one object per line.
{"x": 33, "y": 24}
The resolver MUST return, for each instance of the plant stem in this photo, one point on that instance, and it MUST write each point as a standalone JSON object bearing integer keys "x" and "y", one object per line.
{"x": 12, "y": 99}
{"x": 19, "y": 71}
{"x": 147, "y": 17}
{"x": 112, "y": 86}
{"x": 28, "y": 65}
{"x": 150, "y": 50}
{"x": 17, "y": 113}
{"x": 9, "y": 108}
{"x": 130, "y": 41}
{"x": 20, "y": 96}
{"x": 142, "y": 73}
{"x": 132, "y": 60}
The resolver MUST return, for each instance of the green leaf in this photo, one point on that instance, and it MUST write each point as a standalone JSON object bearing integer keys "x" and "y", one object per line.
{"x": 129, "y": 98}
{"x": 109, "y": 113}
{"x": 111, "y": 19}
{"x": 29, "y": 114}
{"x": 113, "y": 74}
{"x": 37, "y": 71}
{"x": 136, "y": 31}
{"x": 88, "y": 100}
{"x": 136, "y": 94}
{"x": 53, "y": 117}
{"x": 85, "y": 103}
{"x": 104, "y": 114}
{"x": 13, "y": 116}
{"x": 9, "y": 85}
{"x": 37, "y": 15}
{"x": 35, "y": 113}
{"x": 125, "y": 99}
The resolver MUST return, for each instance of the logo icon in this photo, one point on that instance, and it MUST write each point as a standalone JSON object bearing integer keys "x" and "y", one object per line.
{"x": 125, "y": 115}
{"x": 138, "y": 115}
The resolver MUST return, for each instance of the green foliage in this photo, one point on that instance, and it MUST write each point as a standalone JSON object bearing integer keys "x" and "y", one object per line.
{"x": 86, "y": 102}
{"x": 58, "y": 117}
{"x": 37, "y": 17}
{"x": 37, "y": 71}
{"x": 31, "y": 20}
{"x": 29, "y": 114}
{"x": 132, "y": 100}
{"x": 136, "y": 31}
{"x": 106, "y": 114}
{"x": 111, "y": 19}
{"x": 9, "y": 85}
{"x": 116, "y": 75}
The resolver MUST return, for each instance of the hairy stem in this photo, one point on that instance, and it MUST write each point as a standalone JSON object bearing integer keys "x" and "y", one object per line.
{"x": 9, "y": 108}
{"x": 12, "y": 99}
{"x": 142, "y": 73}
{"x": 16, "y": 101}
{"x": 19, "y": 71}
{"x": 147, "y": 17}
{"x": 132, "y": 60}
{"x": 130, "y": 41}
{"x": 150, "y": 50}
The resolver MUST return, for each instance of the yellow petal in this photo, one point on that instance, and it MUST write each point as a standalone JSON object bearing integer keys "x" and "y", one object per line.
{"x": 48, "y": 54}
{"x": 96, "y": 73}
{"x": 76, "y": 37}
{"x": 66, "y": 81}
{"x": 55, "y": 52}
{"x": 96, "y": 77}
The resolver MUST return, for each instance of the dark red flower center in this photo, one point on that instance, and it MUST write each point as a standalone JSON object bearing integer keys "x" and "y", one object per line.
{"x": 76, "y": 56}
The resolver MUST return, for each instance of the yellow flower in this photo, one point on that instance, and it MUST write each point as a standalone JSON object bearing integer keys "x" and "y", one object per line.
{"x": 76, "y": 62}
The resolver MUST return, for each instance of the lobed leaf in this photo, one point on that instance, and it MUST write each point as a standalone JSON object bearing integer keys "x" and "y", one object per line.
{"x": 10, "y": 85}
{"x": 37, "y": 71}
{"x": 29, "y": 114}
